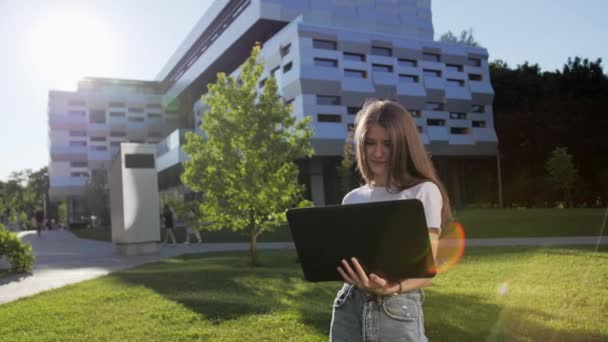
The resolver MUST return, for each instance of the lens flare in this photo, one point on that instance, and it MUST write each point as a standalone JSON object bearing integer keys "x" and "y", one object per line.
{"x": 503, "y": 289}
{"x": 451, "y": 247}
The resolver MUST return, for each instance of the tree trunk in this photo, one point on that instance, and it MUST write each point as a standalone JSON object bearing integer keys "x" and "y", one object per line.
{"x": 252, "y": 247}
{"x": 252, "y": 238}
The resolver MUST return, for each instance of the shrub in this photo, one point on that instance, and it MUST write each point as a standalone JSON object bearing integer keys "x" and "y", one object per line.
{"x": 19, "y": 254}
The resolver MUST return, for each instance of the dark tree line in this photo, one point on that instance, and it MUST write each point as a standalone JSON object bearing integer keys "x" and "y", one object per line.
{"x": 535, "y": 112}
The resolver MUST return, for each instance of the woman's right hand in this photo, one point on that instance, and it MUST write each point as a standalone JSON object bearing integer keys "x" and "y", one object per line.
{"x": 356, "y": 276}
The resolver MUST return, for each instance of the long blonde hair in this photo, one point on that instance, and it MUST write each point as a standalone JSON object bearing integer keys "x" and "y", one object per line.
{"x": 409, "y": 162}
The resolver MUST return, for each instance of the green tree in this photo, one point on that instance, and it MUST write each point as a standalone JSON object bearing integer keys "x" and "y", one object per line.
{"x": 561, "y": 172}
{"x": 244, "y": 163}
{"x": 345, "y": 170}
{"x": 466, "y": 37}
{"x": 97, "y": 196}
{"x": 62, "y": 213}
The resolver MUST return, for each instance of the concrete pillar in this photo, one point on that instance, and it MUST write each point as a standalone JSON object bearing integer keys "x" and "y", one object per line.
{"x": 134, "y": 200}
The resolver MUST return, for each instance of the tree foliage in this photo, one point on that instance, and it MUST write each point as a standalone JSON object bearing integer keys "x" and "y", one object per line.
{"x": 244, "y": 163}
{"x": 97, "y": 196}
{"x": 561, "y": 172}
{"x": 22, "y": 194}
{"x": 348, "y": 179}
{"x": 536, "y": 112}
{"x": 465, "y": 37}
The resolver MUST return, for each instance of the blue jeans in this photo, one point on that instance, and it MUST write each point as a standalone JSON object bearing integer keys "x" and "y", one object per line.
{"x": 361, "y": 316}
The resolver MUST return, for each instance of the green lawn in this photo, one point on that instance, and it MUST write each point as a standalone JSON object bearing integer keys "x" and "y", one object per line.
{"x": 478, "y": 223}
{"x": 493, "y": 223}
{"x": 557, "y": 294}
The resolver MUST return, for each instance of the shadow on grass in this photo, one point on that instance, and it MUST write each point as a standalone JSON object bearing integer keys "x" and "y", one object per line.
{"x": 452, "y": 317}
{"x": 221, "y": 287}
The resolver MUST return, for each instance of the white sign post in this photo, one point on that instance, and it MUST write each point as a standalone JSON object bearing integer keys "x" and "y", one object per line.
{"x": 134, "y": 200}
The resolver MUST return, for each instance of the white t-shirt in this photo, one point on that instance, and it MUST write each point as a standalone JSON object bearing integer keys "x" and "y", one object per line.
{"x": 427, "y": 192}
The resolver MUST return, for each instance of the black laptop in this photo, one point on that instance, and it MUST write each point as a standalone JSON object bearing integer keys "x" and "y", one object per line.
{"x": 388, "y": 238}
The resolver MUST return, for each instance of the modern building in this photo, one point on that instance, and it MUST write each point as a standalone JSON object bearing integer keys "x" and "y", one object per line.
{"x": 328, "y": 56}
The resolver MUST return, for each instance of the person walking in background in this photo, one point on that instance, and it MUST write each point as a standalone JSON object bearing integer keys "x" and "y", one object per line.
{"x": 190, "y": 230}
{"x": 39, "y": 216}
{"x": 168, "y": 217}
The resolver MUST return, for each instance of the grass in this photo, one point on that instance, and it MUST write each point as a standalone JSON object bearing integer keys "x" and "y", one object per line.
{"x": 496, "y": 223}
{"x": 478, "y": 223}
{"x": 558, "y": 294}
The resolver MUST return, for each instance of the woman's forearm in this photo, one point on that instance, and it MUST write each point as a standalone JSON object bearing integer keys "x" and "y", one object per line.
{"x": 415, "y": 283}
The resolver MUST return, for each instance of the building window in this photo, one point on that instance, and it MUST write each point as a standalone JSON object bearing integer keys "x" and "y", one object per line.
{"x": 98, "y": 139}
{"x": 431, "y": 72}
{"x": 115, "y": 143}
{"x": 419, "y": 129}
{"x": 353, "y": 110}
{"x": 382, "y": 68}
{"x": 262, "y": 82}
{"x": 435, "y": 122}
{"x": 351, "y": 56}
{"x": 78, "y": 133}
{"x": 328, "y": 100}
{"x": 431, "y": 57}
{"x": 408, "y": 78}
{"x": 79, "y": 163}
{"x": 136, "y": 119}
{"x": 382, "y": 51}
{"x": 274, "y": 71}
{"x": 479, "y": 124}
{"x": 154, "y": 105}
{"x": 99, "y": 148}
{"x": 117, "y": 115}
{"x": 78, "y": 143}
{"x": 438, "y": 106}
{"x": 455, "y": 82}
{"x": 117, "y": 104}
{"x": 355, "y": 73}
{"x": 155, "y": 116}
{"x": 79, "y": 174}
{"x": 287, "y": 67}
{"x": 75, "y": 102}
{"x": 406, "y": 62}
{"x": 458, "y": 116}
{"x": 476, "y": 62}
{"x": 324, "y": 44}
{"x": 136, "y": 110}
{"x": 326, "y": 62}
{"x": 329, "y": 118}
{"x": 453, "y": 67}
{"x": 350, "y": 127}
{"x": 155, "y": 134}
{"x": 415, "y": 113}
{"x": 475, "y": 77}
{"x": 478, "y": 108}
{"x": 284, "y": 50}
{"x": 97, "y": 116}
{"x": 76, "y": 113}
{"x": 459, "y": 130}
{"x": 117, "y": 133}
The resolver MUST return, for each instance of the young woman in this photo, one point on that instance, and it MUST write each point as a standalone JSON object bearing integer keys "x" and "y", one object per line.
{"x": 394, "y": 165}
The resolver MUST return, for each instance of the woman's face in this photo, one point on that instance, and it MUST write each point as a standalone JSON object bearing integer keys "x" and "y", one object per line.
{"x": 377, "y": 153}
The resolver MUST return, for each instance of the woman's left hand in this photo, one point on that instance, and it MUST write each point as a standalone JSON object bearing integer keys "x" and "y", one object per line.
{"x": 355, "y": 275}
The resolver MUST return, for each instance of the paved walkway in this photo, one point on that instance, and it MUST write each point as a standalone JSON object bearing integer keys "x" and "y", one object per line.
{"x": 63, "y": 259}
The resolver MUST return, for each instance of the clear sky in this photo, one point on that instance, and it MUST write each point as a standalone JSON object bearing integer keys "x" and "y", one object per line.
{"x": 50, "y": 44}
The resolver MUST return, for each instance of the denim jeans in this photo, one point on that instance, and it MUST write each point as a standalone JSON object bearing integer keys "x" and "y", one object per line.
{"x": 361, "y": 316}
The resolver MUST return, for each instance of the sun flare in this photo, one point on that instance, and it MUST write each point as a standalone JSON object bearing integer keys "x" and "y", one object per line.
{"x": 65, "y": 47}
